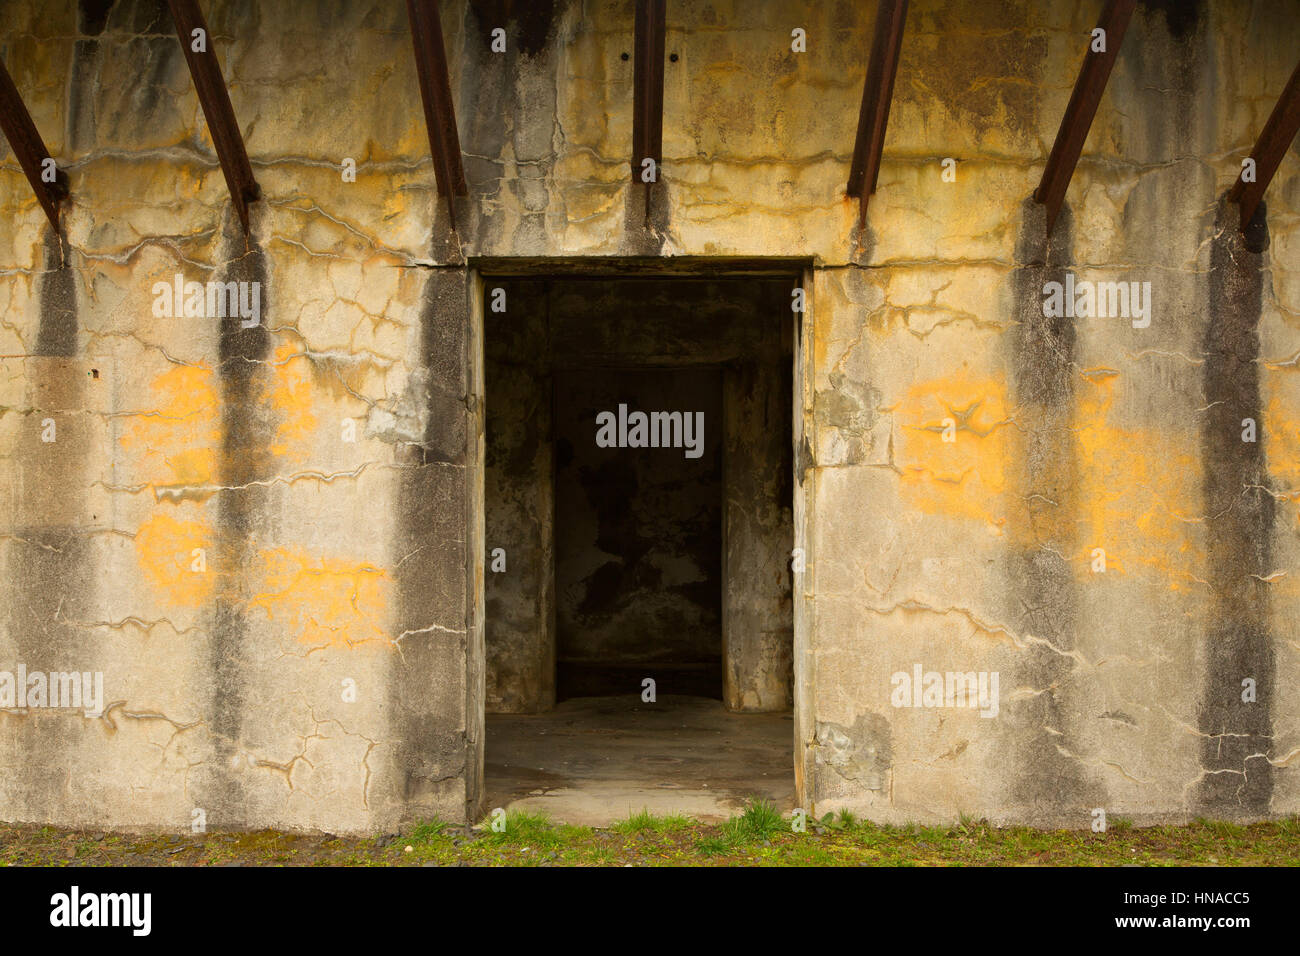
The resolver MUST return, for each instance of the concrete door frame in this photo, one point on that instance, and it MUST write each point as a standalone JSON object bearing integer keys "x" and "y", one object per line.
{"x": 621, "y": 267}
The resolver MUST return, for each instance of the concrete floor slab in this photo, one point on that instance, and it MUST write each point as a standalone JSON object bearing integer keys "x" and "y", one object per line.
{"x": 596, "y": 760}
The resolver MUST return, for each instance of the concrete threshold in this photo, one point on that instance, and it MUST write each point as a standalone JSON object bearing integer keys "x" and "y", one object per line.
{"x": 594, "y": 761}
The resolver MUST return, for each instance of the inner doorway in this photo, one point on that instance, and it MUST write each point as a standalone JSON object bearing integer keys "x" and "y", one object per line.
{"x": 638, "y": 529}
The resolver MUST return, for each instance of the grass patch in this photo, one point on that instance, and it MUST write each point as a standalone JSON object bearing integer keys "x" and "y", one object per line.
{"x": 759, "y": 822}
{"x": 430, "y": 831}
{"x": 758, "y": 836}
{"x": 646, "y": 822}
{"x": 531, "y": 830}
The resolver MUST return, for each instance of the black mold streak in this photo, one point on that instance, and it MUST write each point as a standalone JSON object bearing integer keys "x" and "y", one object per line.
{"x": 92, "y": 16}
{"x": 1239, "y": 512}
{"x": 1042, "y": 581}
{"x": 528, "y": 24}
{"x": 1182, "y": 17}
{"x": 247, "y": 432}
{"x": 52, "y": 568}
{"x": 645, "y": 235}
{"x": 57, "y": 294}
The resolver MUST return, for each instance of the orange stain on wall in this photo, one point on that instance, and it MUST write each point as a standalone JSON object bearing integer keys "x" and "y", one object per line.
{"x": 165, "y": 549}
{"x": 1280, "y": 433}
{"x": 177, "y": 445}
{"x": 291, "y": 393}
{"x": 965, "y": 477}
{"x": 322, "y": 601}
{"x": 1139, "y": 495}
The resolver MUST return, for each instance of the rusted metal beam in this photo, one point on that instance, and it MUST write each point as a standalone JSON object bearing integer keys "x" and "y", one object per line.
{"x": 648, "y": 90}
{"x": 1281, "y": 128}
{"x": 29, "y": 148}
{"x": 215, "y": 100}
{"x": 435, "y": 92}
{"x": 1081, "y": 109}
{"x": 877, "y": 92}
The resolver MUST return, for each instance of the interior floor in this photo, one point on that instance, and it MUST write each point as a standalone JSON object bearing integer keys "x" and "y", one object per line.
{"x": 593, "y": 761}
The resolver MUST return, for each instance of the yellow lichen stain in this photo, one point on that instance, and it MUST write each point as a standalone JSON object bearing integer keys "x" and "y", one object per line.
{"x": 963, "y": 477}
{"x": 176, "y": 443}
{"x": 165, "y": 547}
{"x": 1280, "y": 433}
{"x": 290, "y": 391}
{"x": 322, "y": 602}
{"x": 1139, "y": 492}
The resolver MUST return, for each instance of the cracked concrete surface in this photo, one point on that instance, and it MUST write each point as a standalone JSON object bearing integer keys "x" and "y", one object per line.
{"x": 324, "y": 669}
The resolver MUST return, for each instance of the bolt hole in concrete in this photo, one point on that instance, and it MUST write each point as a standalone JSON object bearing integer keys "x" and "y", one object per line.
{"x": 638, "y": 486}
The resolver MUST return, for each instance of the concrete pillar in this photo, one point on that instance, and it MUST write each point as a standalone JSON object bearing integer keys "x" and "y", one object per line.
{"x": 756, "y": 536}
{"x": 520, "y": 577}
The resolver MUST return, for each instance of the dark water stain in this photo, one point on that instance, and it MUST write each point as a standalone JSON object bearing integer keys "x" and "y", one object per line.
{"x": 1182, "y": 17}
{"x": 862, "y": 242}
{"x": 1239, "y": 510}
{"x": 528, "y": 23}
{"x": 1041, "y": 580}
{"x": 645, "y": 230}
{"x": 142, "y": 17}
{"x": 52, "y": 564}
{"x": 248, "y": 429}
{"x": 82, "y": 87}
{"x": 92, "y": 16}
{"x": 144, "y": 30}
{"x": 56, "y": 293}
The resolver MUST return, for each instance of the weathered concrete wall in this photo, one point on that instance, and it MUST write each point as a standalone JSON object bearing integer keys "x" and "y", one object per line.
{"x": 330, "y": 560}
{"x": 260, "y": 536}
{"x": 1120, "y": 688}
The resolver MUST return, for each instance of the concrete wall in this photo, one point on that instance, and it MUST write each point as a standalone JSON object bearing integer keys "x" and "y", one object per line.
{"x": 330, "y": 560}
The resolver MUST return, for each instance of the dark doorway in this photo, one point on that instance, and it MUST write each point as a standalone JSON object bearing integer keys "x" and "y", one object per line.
{"x": 638, "y": 531}
{"x": 638, "y": 527}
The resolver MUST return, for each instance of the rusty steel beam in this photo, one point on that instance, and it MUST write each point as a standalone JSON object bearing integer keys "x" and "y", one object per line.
{"x": 1081, "y": 109}
{"x": 215, "y": 100}
{"x": 439, "y": 109}
{"x": 29, "y": 148}
{"x": 877, "y": 92}
{"x": 1281, "y": 128}
{"x": 648, "y": 89}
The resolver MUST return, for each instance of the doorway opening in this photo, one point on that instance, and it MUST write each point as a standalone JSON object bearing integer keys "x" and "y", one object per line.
{"x": 638, "y": 499}
{"x": 638, "y": 532}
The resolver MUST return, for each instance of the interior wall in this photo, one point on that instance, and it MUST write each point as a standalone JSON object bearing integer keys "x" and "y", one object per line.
{"x": 757, "y": 537}
{"x": 519, "y": 585}
{"x": 638, "y": 536}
